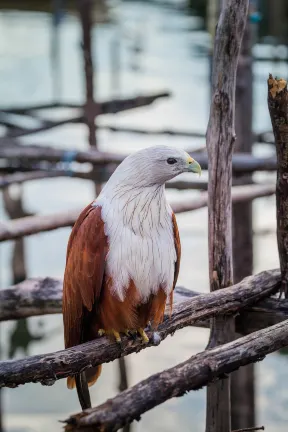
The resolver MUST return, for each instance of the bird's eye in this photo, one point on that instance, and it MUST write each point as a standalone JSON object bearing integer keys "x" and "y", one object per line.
{"x": 171, "y": 161}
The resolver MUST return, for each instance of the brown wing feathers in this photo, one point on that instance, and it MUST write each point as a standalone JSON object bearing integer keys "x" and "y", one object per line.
{"x": 84, "y": 274}
{"x": 178, "y": 256}
{"x": 85, "y": 263}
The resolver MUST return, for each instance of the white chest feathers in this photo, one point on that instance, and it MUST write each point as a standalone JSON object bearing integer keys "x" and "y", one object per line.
{"x": 140, "y": 234}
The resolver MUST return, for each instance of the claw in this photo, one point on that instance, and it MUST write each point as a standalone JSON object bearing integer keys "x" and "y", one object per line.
{"x": 143, "y": 335}
{"x": 101, "y": 332}
{"x": 131, "y": 333}
{"x": 117, "y": 336}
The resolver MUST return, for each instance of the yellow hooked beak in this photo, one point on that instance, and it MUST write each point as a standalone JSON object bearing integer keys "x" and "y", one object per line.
{"x": 193, "y": 166}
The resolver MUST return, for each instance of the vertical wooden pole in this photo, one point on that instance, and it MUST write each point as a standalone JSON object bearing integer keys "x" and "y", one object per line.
{"x": 278, "y": 108}
{"x": 85, "y": 10}
{"x": 220, "y": 139}
{"x": 242, "y": 381}
{"x": 123, "y": 385}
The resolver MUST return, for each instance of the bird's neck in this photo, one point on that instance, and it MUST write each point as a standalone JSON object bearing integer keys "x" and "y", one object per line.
{"x": 141, "y": 209}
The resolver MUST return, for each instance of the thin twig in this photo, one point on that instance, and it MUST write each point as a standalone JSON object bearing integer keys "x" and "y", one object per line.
{"x": 250, "y": 429}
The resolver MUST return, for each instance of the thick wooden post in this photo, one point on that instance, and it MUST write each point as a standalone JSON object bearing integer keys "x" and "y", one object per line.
{"x": 220, "y": 139}
{"x": 85, "y": 7}
{"x": 278, "y": 108}
{"x": 242, "y": 381}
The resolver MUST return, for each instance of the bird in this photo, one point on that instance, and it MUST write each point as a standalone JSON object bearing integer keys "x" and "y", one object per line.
{"x": 123, "y": 256}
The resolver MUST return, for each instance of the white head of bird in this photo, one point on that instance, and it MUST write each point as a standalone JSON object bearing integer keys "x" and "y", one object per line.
{"x": 153, "y": 166}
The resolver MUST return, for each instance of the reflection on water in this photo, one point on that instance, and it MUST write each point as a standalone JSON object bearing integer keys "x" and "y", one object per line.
{"x": 167, "y": 59}
{"x": 21, "y": 337}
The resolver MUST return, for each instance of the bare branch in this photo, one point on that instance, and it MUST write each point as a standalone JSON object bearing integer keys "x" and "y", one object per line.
{"x": 200, "y": 370}
{"x": 48, "y": 368}
{"x": 106, "y": 107}
{"x": 242, "y": 163}
{"x": 250, "y": 429}
{"x": 38, "y": 296}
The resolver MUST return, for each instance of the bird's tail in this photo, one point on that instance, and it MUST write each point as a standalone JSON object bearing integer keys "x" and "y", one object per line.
{"x": 82, "y": 381}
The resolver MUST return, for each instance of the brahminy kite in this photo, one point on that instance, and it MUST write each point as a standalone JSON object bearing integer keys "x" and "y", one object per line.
{"x": 123, "y": 255}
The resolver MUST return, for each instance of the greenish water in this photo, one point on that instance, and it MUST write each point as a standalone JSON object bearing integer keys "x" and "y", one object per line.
{"x": 167, "y": 59}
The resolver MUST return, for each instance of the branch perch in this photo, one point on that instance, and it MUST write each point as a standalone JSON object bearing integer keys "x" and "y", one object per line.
{"x": 48, "y": 368}
{"x": 200, "y": 370}
{"x": 38, "y": 296}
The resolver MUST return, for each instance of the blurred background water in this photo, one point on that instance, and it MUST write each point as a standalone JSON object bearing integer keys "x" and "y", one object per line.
{"x": 160, "y": 47}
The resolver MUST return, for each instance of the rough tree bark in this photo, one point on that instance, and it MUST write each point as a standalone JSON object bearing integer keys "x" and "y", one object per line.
{"x": 35, "y": 224}
{"x": 42, "y": 296}
{"x": 220, "y": 139}
{"x": 48, "y": 368}
{"x": 278, "y": 108}
{"x": 242, "y": 381}
{"x": 201, "y": 369}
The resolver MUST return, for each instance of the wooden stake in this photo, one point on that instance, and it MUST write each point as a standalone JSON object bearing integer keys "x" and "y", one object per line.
{"x": 278, "y": 108}
{"x": 220, "y": 139}
{"x": 242, "y": 381}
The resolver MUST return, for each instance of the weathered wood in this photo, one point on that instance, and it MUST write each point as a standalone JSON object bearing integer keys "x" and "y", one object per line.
{"x": 278, "y": 108}
{"x": 32, "y": 225}
{"x": 250, "y": 429}
{"x": 100, "y": 176}
{"x": 198, "y": 371}
{"x": 32, "y": 297}
{"x": 106, "y": 107}
{"x": 220, "y": 140}
{"x": 242, "y": 163}
{"x": 242, "y": 381}
{"x": 20, "y": 177}
{"x": 42, "y": 296}
{"x": 48, "y": 368}
{"x": 85, "y": 10}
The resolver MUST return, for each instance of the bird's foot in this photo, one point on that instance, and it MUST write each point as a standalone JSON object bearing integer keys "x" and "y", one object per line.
{"x": 143, "y": 335}
{"x": 101, "y": 332}
{"x": 131, "y": 333}
{"x": 116, "y": 336}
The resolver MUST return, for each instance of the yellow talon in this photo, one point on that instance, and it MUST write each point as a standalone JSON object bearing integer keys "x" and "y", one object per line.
{"x": 143, "y": 335}
{"x": 101, "y": 332}
{"x": 127, "y": 332}
{"x": 116, "y": 335}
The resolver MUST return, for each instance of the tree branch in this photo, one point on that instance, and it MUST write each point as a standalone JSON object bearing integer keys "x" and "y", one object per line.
{"x": 200, "y": 370}
{"x": 38, "y": 296}
{"x": 48, "y": 368}
{"x": 11, "y": 230}
{"x": 242, "y": 163}
{"x": 106, "y": 107}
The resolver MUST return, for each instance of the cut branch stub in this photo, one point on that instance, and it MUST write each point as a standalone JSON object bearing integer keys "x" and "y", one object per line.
{"x": 278, "y": 108}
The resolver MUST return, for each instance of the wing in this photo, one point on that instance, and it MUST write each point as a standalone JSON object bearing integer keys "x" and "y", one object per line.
{"x": 84, "y": 272}
{"x": 178, "y": 259}
{"x": 178, "y": 249}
